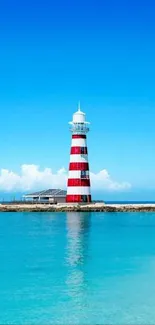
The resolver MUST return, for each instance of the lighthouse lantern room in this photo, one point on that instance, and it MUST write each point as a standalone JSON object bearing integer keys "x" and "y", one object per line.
{"x": 78, "y": 187}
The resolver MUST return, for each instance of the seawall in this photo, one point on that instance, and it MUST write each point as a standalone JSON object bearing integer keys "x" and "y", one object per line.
{"x": 98, "y": 207}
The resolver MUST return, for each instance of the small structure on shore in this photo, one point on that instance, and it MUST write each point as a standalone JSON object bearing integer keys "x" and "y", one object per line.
{"x": 47, "y": 196}
{"x": 78, "y": 187}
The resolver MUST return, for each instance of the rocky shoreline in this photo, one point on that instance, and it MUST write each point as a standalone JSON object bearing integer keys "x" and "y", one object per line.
{"x": 26, "y": 207}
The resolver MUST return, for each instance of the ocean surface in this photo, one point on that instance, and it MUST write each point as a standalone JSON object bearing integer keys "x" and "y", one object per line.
{"x": 77, "y": 268}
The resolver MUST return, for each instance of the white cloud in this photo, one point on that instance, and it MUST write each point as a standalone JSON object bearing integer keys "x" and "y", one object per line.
{"x": 103, "y": 180}
{"x": 31, "y": 177}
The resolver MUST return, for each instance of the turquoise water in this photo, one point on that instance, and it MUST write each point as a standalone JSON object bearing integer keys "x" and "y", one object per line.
{"x": 77, "y": 268}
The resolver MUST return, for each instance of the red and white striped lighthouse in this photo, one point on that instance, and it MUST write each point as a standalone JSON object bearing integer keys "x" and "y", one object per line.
{"x": 78, "y": 188}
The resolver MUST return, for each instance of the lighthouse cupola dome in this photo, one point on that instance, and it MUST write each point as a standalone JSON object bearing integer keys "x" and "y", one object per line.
{"x": 79, "y": 116}
{"x": 79, "y": 124}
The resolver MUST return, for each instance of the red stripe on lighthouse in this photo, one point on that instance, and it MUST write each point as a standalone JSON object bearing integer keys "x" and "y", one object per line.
{"x": 78, "y": 182}
{"x": 79, "y": 166}
{"x": 78, "y": 136}
{"x": 79, "y": 150}
{"x": 78, "y": 198}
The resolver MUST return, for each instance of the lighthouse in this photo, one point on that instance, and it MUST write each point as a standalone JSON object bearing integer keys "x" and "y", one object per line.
{"x": 78, "y": 187}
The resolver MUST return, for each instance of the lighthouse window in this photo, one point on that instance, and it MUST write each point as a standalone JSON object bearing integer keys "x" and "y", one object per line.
{"x": 83, "y": 150}
{"x": 83, "y": 174}
{"x": 84, "y": 198}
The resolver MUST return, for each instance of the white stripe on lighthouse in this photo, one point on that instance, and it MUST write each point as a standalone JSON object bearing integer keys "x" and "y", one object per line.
{"x": 76, "y": 174}
{"x": 79, "y": 143}
{"x": 78, "y": 158}
{"x": 78, "y": 190}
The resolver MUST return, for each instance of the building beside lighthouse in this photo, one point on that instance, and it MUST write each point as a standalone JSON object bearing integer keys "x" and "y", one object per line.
{"x": 78, "y": 186}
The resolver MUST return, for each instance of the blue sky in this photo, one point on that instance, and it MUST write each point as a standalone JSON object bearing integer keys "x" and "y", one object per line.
{"x": 102, "y": 52}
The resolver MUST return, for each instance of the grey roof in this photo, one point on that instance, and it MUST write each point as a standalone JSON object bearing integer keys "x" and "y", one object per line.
{"x": 50, "y": 192}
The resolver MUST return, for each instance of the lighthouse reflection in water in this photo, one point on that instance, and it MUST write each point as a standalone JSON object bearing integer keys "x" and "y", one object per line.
{"x": 77, "y": 251}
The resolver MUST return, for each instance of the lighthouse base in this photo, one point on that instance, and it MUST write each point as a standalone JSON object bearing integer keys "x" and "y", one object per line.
{"x": 78, "y": 199}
